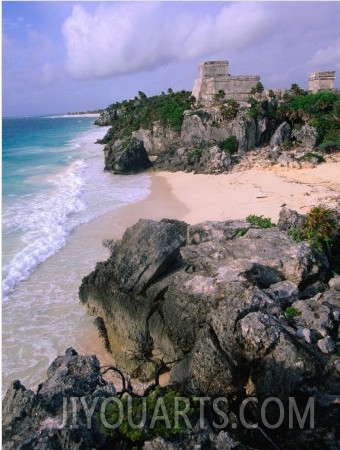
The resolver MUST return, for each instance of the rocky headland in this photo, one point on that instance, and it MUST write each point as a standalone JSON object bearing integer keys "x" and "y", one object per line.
{"x": 212, "y": 128}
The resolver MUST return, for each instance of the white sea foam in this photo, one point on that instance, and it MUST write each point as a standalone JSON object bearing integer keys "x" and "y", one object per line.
{"x": 80, "y": 194}
{"x": 42, "y": 220}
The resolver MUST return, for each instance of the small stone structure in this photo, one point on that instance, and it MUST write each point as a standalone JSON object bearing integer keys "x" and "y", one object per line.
{"x": 214, "y": 76}
{"x": 321, "y": 81}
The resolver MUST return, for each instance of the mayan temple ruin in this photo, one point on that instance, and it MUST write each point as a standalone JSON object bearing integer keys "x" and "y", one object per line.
{"x": 214, "y": 76}
{"x": 321, "y": 81}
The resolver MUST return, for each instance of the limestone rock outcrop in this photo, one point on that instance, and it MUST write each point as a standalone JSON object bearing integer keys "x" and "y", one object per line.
{"x": 280, "y": 135}
{"x": 207, "y": 125}
{"x": 158, "y": 139}
{"x": 220, "y": 310}
{"x": 106, "y": 118}
{"x": 306, "y": 136}
{"x": 212, "y": 277}
{"x": 128, "y": 156}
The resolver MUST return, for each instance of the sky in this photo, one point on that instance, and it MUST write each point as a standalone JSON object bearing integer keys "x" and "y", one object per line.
{"x": 67, "y": 56}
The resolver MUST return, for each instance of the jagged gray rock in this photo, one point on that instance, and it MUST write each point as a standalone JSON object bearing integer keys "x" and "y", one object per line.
{"x": 284, "y": 292}
{"x": 207, "y": 126}
{"x": 42, "y": 421}
{"x": 327, "y": 345}
{"x": 106, "y": 118}
{"x": 314, "y": 315}
{"x": 306, "y": 136}
{"x": 281, "y": 134}
{"x": 158, "y": 139}
{"x": 212, "y": 299}
{"x": 334, "y": 283}
{"x": 215, "y": 160}
{"x": 128, "y": 156}
{"x": 158, "y": 245}
{"x": 290, "y": 219}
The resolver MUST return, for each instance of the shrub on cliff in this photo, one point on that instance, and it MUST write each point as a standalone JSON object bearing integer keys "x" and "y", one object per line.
{"x": 320, "y": 229}
{"x": 320, "y": 110}
{"x": 229, "y": 109}
{"x": 143, "y": 111}
{"x": 229, "y": 145}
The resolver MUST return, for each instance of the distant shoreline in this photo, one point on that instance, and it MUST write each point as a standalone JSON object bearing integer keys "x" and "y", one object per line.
{"x": 76, "y": 115}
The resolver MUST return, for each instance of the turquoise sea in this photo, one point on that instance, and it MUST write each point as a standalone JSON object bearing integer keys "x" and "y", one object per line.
{"x": 53, "y": 185}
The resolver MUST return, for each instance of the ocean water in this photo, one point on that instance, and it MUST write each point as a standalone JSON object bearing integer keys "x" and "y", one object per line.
{"x": 54, "y": 186}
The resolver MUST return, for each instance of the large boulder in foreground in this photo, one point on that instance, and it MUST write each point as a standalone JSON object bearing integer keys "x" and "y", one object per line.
{"x": 227, "y": 303}
{"x": 168, "y": 285}
{"x": 127, "y": 156}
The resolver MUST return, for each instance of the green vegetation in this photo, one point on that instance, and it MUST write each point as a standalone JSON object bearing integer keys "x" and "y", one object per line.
{"x": 287, "y": 144}
{"x": 260, "y": 221}
{"x": 229, "y": 109}
{"x": 241, "y": 232}
{"x": 219, "y": 97}
{"x": 291, "y": 312}
{"x": 162, "y": 412}
{"x": 320, "y": 110}
{"x": 257, "y": 89}
{"x": 229, "y": 145}
{"x": 195, "y": 153}
{"x": 329, "y": 146}
{"x": 204, "y": 115}
{"x": 255, "y": 107}
{"x": 310, "y": 156}
{"x": 143, "y": 111}
{"x": 296, "y": 90}
{"x": 263, "y": 107}
{"x": 320, "y": 228}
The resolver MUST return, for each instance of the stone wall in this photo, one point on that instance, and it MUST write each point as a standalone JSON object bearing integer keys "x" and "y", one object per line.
{"x": 214, "y": 76}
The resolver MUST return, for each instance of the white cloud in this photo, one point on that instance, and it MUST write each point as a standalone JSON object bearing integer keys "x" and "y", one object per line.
{"x": 327, "y": 58}
{"x": 123, "y": 38}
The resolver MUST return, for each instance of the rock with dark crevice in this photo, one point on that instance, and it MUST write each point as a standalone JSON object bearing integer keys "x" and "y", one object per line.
{"x": 126, "y": 157}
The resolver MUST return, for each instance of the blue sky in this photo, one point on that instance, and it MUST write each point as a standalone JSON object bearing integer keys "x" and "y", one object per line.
{"x": 70, "y": 56}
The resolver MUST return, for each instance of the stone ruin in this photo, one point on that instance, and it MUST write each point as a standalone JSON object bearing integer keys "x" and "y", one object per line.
{"x": 321, "y": 81}
{"x": 214, "y": 76}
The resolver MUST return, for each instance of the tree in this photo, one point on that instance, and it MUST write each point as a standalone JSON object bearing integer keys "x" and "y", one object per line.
{"x": 142, "y": 95}
{"x": 296, "y": 90}
{"x": 257, "y": 89}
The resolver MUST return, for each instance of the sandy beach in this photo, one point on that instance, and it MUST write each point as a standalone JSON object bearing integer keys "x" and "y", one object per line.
{"x": 261, "y": 192}
{"x": 195, "y": 197}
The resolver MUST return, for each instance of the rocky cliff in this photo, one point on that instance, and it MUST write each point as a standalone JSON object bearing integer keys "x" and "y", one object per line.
{"x": 176, "y": 128}
{"x": 241, "y": 310}
{"x": 217, "y": 139}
